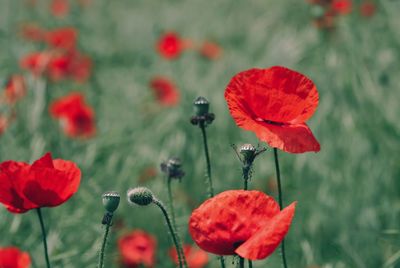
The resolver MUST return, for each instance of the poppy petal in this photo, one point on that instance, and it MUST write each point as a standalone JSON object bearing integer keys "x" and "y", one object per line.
{"x": 45, "y": 161}
{"x": 265, "y": 241}
{"x": 276, "y": 94}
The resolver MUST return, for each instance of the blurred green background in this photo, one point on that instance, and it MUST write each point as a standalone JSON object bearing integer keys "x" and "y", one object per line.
{"x": 348, "y": 194}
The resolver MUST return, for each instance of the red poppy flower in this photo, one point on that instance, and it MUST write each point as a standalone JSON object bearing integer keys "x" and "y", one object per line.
{"x": 36, "y": 62}
{"x": 80, "y": 67}
{"x": 64, "y": 38}
{"x": 59, "y": 8}
{"x": 45, "y": 183}
{"x": 32, "y": 32}
{"x": 246, "y": 223}
{"x": 367, "y": 9}
{"x": 12, "y": 257}
{"x": 76, "y": 116}
{"x": 275, "y": 103}
{"x": 3, "y": 124}
{"x": 195, "y": 257}
{"x": 165, "y": 91}
{"x": 171, "y": 45}
{"x": 137, "y": 248}
{"x": 15, "y": 88}
{"x": 342, "y": 7}
{"x": 210, "y": 50}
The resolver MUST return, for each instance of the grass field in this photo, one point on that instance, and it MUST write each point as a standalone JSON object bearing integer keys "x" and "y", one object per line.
{"x": 348, "y": 194}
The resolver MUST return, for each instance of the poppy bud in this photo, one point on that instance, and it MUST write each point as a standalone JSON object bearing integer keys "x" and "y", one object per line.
{"x": 248, "y": 151}
{"x": 111, "y": 201}
{"x": 201, "y": 106}
{"x": 173, "y": 168}
{"x": 141, "y": 196}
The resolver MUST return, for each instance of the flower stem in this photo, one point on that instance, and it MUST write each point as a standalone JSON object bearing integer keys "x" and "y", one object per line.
{"x": 222, "y": 261}
{"x": 246, "y": 170}
{"x": 103, "y": 246}
{"x": 178, "y": 247}
{"x": 46, "y": 255}
{"x": 241, "y": 262}
{"x": 278, "y": 177}
{"x": 210, "y": 186}
{"x": 250, "y": 264}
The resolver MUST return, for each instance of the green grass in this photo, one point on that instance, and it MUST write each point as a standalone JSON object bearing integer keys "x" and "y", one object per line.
{"x": 348, "y": 194}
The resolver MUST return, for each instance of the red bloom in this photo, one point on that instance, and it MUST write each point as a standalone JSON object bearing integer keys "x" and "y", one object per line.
{"x": 59, "y": 8}
{"x": 36, "y": 62}
{"x": 210, "y": 50}
{"x": 136, "y": 248}
{"x": 342, "y": 7}
{"x": 32, "y": 32}
{"x": 275, "y": 103}
{"x": 45, "y": 183}
{"x": 12, "y": 257}
{"x": 165, "y": 91}
{"x": 80, "y": 67}
{"x": 247, "y": 223}
{"x": 3, "y": 124}
{"x": 77, "y": 117}
{"x": 64, "y": 38}
{"x": 195, "y": 258}
{"x": 367, "y": 9}
{"x": 170, "y": 45}
{"x": 15, "y": 88}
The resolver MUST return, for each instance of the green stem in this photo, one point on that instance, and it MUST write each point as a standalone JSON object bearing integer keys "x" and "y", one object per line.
{"x": 103, "y": 246}
{"x": 210, "y": 186}
{"x": 178, "y": 247}
{"x": 46, "y": 255}
{"x": 246, "y": 170}
{"x": 278, "y": 177}
{"x": 250, "y": 264}
{"x": 222, "y": 261}
{"x": 241, "y": 262}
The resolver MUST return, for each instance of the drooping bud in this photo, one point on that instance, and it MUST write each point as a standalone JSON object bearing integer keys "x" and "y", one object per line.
{"x": 141, "y": 196}
{"x": 201, "y": 106}
{"x": 111, "y": 201}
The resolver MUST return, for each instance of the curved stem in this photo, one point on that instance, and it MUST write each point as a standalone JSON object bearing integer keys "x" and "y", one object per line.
{"x": 46, "y": 255}
{"x": 178, "y": 247}
{"x": 280, "y": 197}
{"x": 210, "y": 186}
{"x": 103, "y": 246}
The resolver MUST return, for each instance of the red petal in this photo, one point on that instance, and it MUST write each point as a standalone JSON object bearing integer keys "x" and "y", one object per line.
{"x": 45, "y": 161}
{"x": 227, "y": 220}
{"x": 12, "y": 257}
{"x": 277, "y": 94}
{"x": 265, "y": 241}
{"x": 289, "y": 138}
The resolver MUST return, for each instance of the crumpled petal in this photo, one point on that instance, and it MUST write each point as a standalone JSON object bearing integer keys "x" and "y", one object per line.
{"x": 266, "y": 240}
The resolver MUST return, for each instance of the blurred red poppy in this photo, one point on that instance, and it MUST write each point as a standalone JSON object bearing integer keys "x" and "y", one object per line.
{"x": 3, "y": 124}
{"x": 210, "y": 50}
{"x": 137, "y": 248}
{"x": 165, "y": 91}
{"x": 195, "y": 257}
{"x": 12, "y": 257}
{"x": 171, "y": 45}
{"x": 247, "y": 223}
{"x": 367, "y": 9}
{"x": 342, "y": 7}
{"x": 45, "y": 183}
{"x": 59, "y": 8}
{"x": 32, "y": 32}
{"x": 275, "y": 103}
{"x": 36, "y": 62}
{"x": 64, "y": 38}
{"x": 15, "y": 89}
{"x": 76, "y": 116}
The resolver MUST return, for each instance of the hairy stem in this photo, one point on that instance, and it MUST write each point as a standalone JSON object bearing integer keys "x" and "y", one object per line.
{"x": 103, "y": 246}
{"x": 280, "y": 197}
{"x": 46, "y": 254}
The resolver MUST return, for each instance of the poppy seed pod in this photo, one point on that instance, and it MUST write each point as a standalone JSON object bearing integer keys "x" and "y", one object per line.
{"x": 248, "y": 151}
{"x": 111, "y": 201}
{"x": 201, "y": 106}
{"x": 141, "y": 196}
{"x": 173, "y": 168}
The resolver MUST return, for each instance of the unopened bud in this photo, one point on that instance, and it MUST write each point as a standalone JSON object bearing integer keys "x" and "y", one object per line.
{"x": 141, "y": 196}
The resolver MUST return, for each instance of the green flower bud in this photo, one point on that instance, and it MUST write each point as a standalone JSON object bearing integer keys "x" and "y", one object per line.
{"x": 111, "y": 201}
{"x": 201, "y": 106}
{"x": 141, "y": 196}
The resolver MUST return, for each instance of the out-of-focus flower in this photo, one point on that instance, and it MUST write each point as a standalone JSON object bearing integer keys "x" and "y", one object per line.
{"x": 32, "y": 32}
{"x": 165, "y": 91}
{"x": 342, "y": 7}
{"x": 36, "y": 62}
{"x": 59, "y": 8}
{"x": 171, "y": 45}
{"x": 147, "y": 174}
{"x": 64, "y": 38}
{"x": 247, "y": 223}
{"x": 80, "y": 67}
{"x": 45, "y": 183}
{"x": 3, "y": 123}
{"x": 275, "y": 103}
{"x": 77, "y": 118}
{"x": 210, "y": 50}
{"x": 195, "y": 257}
{"x": 367, "y": 9}
{"x": 137, "y": 248}
{"x": 13, "y": 257}
{"x": 15, "y": 88}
